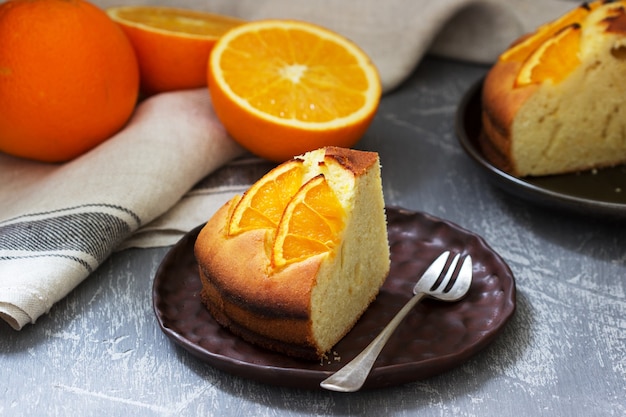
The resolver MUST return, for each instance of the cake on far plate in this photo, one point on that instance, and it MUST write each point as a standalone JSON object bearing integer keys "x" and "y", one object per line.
{"x": 293, "y": 263}
{"x": 555, "y": 101}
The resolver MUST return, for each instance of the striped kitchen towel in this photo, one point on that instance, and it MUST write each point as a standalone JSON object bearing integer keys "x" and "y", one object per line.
{"x": 58, "y": 222}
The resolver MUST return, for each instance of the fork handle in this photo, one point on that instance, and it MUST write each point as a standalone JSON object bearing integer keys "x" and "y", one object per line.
{"x": 352, "y": 376}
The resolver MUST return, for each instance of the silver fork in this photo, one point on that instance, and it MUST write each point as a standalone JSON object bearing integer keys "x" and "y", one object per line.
{"x": 452, "y": 287}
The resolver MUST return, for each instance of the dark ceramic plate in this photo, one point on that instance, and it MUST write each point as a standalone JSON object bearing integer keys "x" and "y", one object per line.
{"x": 435, "y": 336}
{"x": 601, "y": 192}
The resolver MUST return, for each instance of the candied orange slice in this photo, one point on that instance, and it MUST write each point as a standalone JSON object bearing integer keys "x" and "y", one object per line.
{"x": 526, "y": 46}
{"x": 311, "y": 224}
{"x": 554, "y": 59}
{"x": 262, "y": 206}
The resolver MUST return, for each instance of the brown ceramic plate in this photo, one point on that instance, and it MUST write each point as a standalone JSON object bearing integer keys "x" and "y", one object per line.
{"x": 601, "y": 192}
{"x": 435, "y": 336}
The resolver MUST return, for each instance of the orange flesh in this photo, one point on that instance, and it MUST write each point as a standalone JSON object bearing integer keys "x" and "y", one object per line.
{"x": 322, "y": 85}
{"x": 178, "y": 20}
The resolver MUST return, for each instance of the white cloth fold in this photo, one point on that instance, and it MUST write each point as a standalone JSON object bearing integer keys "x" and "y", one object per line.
{"x": 59, "y": 222}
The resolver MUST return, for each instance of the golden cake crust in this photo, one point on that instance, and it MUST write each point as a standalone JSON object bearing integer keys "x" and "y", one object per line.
{"x": 237, "y": 288}
{"x": 356, "y": 162}
{"x": 501, "y": 102}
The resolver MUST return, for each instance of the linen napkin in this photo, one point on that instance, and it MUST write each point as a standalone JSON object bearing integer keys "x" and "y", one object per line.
{"x": 168, "y": 170}
{"x": 59, "y": 222}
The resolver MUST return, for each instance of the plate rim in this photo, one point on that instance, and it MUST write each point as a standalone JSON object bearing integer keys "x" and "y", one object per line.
{"x": 310, "y": 378}
{"x": 526, "y": 190}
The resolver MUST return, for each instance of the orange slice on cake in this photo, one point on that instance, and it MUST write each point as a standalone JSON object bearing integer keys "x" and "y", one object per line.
{"x": 310, "y": 225}
{"x": 262, "y": 206}
{"x": 299, "y": 209}
{"x": 554, "y": 59}
{"x": 528, "y": 44}
{"x": 550, "y": 54}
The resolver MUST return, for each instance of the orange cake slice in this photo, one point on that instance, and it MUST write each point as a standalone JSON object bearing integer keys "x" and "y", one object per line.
{"x": 293, "y": 263}
{"x": 555, "y": 102}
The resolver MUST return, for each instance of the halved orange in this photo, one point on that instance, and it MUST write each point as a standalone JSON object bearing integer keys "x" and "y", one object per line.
{"x": 262, "y": 206}
{"x": 311, "y": 223}
{"x": 554, "y": 59}
{"x": 282, "y": 88}
{"x": 172, "y": 45}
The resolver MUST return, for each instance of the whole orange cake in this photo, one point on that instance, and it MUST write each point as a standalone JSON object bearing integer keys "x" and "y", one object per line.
{"x": 293, "y": 263}
{"x": 555, "y": 101}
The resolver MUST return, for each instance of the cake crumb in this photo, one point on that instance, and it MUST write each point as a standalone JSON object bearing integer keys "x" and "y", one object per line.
{"x": 327, "y": 360}
{"x": 324, "y": 357}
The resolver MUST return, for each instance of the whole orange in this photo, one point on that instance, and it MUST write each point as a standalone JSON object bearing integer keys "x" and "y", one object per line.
{"x": 69, "y": 78}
